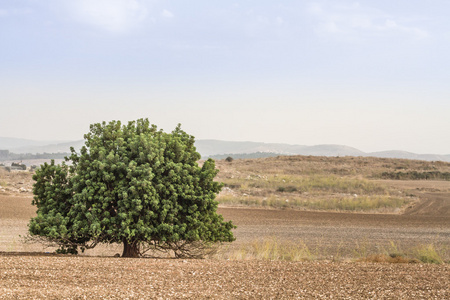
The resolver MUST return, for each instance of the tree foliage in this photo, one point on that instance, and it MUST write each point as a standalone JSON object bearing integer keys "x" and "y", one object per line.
{"x": 130, "y": 184}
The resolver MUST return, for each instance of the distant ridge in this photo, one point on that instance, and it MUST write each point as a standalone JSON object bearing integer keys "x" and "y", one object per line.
{"x": 7, "y": 143}
{"x": 30, "y": 146}
{"x": 214, "y": 147}
{"x": 219, "y": 149}
{"x": 51, "y": 148}
{"x": 409, "y": 155}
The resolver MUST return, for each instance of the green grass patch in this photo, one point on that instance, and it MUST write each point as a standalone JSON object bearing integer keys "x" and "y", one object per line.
{"x": 360, "y": 203}
{"x": 307, "y": 184}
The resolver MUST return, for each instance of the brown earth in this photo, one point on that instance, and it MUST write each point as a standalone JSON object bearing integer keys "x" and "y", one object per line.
{"x": 339, "y": 233}
{"x": 55, "y": 277}
{"x": 434, "y": 196}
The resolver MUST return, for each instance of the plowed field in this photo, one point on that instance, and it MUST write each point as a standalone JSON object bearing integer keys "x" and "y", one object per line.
{"x": 41, "y": 277}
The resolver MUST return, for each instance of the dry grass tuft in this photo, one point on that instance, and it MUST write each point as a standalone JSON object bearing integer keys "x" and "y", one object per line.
{"x": 425, "y": 253}
{"x": 428, "y": 254}
{"x": 270, "y": 249}
{"x": 382, "y": 258}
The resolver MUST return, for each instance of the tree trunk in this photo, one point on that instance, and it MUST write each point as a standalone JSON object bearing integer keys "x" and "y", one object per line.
{"x": 130, "y": 249}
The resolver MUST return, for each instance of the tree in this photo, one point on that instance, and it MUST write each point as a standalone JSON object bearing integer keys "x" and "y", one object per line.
{"x": 130, "y": 184}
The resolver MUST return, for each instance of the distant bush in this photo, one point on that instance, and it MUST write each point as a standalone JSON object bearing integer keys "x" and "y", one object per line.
{"x": 232, "y": 186}
{"x": 229, "y": 159}
{"x": 289, "y": 189}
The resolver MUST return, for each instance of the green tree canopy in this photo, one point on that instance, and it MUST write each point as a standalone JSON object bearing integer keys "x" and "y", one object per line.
{"x": 130, "y": 184}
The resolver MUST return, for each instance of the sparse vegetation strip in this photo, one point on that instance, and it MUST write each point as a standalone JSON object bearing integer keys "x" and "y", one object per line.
{"x": 414, "y": 175}
{"x": 350, "y": 203}
{"x": 276, "y": 250}
{"x": 316, "y": 192}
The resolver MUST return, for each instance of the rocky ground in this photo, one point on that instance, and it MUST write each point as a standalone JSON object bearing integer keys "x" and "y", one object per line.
{"x": 54, "y": 277}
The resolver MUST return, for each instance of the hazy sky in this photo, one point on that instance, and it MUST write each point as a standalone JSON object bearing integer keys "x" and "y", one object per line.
{"x": 374, "y": 75}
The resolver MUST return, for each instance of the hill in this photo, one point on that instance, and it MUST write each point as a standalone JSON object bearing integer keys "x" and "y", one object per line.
{"x": 208, "y": 148}
{"x": 11, "y": 144}
{"x": 222, "y": 149}
{"x": 61, "y": 147}
{"x": 409, "y": 155}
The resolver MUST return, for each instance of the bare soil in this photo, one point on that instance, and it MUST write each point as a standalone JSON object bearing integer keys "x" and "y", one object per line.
{"x": 55, "y": 277}
{"x": 339, "y": 233}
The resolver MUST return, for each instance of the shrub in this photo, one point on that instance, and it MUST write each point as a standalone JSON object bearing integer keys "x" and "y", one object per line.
{"x": 428, "y": 254}
{"x": 288, "y": 189}
{"x": 229, "y": 159}
{"x": 131, "y": 184}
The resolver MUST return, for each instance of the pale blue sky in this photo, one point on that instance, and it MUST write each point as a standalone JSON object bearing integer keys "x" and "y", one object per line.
{"x": 374, "y": 75}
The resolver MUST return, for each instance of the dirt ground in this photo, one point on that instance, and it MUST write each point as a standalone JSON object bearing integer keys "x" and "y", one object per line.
{"x": 54, "y": 277}
{"x": 26, "y": 272}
